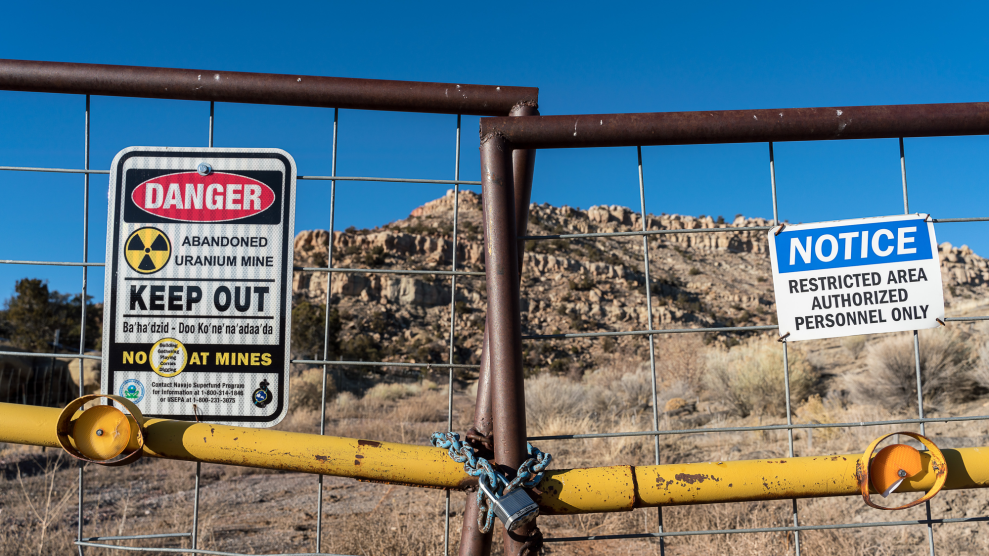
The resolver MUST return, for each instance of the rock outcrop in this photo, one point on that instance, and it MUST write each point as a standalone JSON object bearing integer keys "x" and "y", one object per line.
{"x": 568, "y": 285}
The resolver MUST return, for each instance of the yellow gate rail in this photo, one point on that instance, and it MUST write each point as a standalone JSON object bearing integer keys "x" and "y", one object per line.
{"x": 591, "y": 490}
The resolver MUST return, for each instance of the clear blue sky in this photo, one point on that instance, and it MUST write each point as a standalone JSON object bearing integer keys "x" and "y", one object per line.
{"x": 584, "y": 57}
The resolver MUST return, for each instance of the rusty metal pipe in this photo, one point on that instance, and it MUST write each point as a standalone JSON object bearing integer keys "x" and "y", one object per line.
{"x": 262, "y": 88}
{"x": 504, "y": 320}
{"x": 472, "y": 541}
{"x": 523, "y": 166}
{"x": 741, "y": 126}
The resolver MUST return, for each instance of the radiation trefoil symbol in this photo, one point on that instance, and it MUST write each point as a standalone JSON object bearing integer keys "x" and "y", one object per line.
{"x": 147, "y": 250}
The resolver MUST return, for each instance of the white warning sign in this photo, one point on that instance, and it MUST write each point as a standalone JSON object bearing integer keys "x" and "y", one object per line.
{"x": 199, "y": 283}
{"x": 862, "y": 276}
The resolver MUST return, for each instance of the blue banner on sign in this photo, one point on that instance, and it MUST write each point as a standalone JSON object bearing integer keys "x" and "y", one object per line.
{"x": 855, "y": 245}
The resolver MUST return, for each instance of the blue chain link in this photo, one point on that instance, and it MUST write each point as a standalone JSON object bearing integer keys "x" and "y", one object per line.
{"x": 529, "y": 474}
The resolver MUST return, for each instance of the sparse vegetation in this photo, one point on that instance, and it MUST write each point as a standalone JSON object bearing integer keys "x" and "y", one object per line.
{"x": 375, "y": 257}
{"x": 890, "y": 379}
{"x": 305, "y": 387}
{"x": 749, "y": 378}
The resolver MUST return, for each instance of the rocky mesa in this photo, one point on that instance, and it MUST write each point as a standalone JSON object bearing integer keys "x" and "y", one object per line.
{"x": 569, "y": 285}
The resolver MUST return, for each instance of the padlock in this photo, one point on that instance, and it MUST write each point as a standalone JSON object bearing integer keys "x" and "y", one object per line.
{"x": 514, "y": 509}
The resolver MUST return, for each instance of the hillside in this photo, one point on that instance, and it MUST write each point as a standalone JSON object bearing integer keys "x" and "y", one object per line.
{"x": 595, "y": 284}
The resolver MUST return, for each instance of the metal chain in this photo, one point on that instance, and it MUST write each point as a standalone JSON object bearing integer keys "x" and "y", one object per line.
{"x": 528, "y": 476}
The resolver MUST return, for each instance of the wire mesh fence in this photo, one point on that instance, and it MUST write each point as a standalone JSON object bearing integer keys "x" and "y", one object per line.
{"x": 48, "y": 378}
{"x": 661, "y": 531}
{"x": 54, "y": 378}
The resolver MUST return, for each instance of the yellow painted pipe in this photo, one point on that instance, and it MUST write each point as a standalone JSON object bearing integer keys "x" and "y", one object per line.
{"x": 567, "y": 491}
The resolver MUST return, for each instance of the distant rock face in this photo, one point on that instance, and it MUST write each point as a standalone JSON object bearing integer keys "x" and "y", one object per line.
{"x": 585, "y": 284}
{"x": 961, "y": 267}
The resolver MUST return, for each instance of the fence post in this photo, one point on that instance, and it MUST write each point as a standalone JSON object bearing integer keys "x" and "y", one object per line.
{"x": 503, "y": 317}
{"x": 472, "y": 541}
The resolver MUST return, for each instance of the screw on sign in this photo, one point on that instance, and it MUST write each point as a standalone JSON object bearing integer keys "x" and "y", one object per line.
{"x": 198, "y": 283}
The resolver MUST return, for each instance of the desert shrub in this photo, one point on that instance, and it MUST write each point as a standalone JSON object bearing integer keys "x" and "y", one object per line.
{"x": 305, "y": 386}
{"x": 375, "y": 257}
{"x": 679, "y": 358}
{"x": 749, "y": 377}
{"x": 890, "y": 378}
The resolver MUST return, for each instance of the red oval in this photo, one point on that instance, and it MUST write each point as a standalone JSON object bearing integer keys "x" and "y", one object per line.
{"x": 190, "y": 197}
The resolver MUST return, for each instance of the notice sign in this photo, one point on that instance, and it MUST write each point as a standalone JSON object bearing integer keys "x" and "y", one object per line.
{"x": 199, "y": 283}
{"x": 862, "y": 276}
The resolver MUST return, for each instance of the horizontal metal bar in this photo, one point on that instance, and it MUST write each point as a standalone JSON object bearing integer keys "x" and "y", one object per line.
{"x": 48, "y": 263}
{"x": 562, "y": 491}
{"x": 652, "y": 232}
{"x": 389, "y": 180}
{"x": 650, "y": 332}
{"x": 384, "y": 364}
{"x": 947, "y": 220}
{"x": 52, "y": 170}
{"x": 739, "y": 126}
{"x": 386, "y": 271}
{"x": 191, "y": 550}
{"x": 58, "y": 355}
{"x": 964, "y": 319}
{"x": 770, "y": 529}
{"x": 136, "y": 537}
{"x": 761, "y": 428}
{"x": 262, "y": 88}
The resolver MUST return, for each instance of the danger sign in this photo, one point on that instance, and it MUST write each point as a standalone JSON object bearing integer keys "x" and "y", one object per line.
{"x": 198, "y": 283}
{"x": 861, "y": 276}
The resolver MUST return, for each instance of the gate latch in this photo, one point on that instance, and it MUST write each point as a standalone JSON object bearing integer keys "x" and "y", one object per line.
{"x": 895, "y": 464}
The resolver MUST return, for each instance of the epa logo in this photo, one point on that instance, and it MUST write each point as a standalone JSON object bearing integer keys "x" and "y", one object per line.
{"x": 133, "y": 390}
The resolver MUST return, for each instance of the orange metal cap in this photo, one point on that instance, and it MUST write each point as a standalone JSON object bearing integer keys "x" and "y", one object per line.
{"x": 892, "y": 465}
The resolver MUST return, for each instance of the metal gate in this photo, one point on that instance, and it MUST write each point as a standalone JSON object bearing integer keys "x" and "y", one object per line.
{"x": 288, "y": 90}
{"x": 502, "y": 136}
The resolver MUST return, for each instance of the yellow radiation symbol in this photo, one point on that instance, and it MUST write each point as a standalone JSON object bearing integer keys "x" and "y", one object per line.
{"x": 168, "y": 357}
{"x": 147, "y": 250}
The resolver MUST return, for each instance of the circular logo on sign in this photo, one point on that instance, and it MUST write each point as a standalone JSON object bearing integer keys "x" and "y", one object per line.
{"x": 262, "y": 396}
{"x": 168, "y": 357}
{"x": 147, "y": 250}
{"x": 133, "y": 390}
